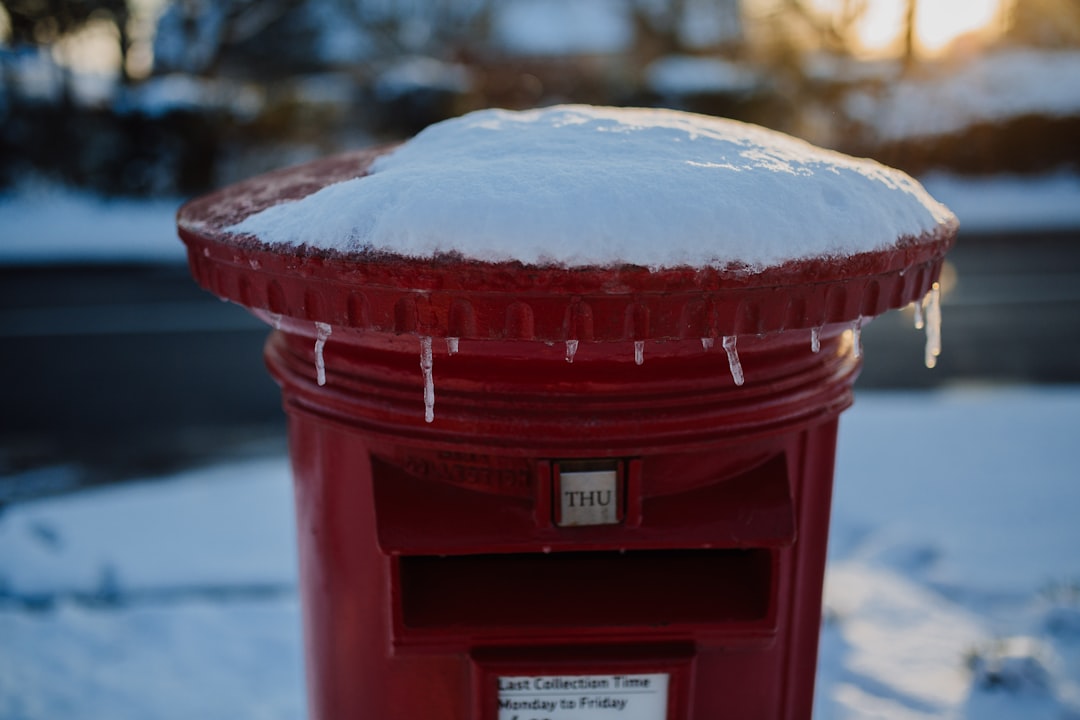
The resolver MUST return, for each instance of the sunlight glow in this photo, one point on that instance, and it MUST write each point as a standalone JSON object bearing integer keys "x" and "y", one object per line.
{"x": 937, "y": 23}
{"x": 93, "y": 49}
{"x": 5, "y": 26}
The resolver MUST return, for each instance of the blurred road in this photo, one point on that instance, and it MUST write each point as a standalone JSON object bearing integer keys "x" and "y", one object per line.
{"x": 1011, "y": 314}
{"x": 123, "y": 371}
{"x": 129, "y": 369}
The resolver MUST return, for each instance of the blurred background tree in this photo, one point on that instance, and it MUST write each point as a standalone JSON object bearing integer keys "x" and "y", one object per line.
{"x": 1044, "y": 23}
{"x": 150, "y": 97}
{"x": 54, "y": 22}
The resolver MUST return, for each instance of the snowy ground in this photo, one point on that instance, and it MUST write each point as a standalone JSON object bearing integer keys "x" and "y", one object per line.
{"x": 953, "y": 588}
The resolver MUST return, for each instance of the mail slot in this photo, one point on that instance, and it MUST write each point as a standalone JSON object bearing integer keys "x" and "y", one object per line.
{"x": 527, "y": 594}
{"x": 540, "y": 491}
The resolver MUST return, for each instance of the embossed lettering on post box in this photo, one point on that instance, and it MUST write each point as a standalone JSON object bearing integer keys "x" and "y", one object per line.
{"x": 589, "y": 497}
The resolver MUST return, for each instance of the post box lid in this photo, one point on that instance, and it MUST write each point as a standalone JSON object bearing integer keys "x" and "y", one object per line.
{"x": 451, "y": 291}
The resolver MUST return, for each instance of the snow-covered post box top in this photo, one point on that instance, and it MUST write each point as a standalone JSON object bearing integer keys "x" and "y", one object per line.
{"x": 579, "y": 186}
{"x": 575, "y": 225}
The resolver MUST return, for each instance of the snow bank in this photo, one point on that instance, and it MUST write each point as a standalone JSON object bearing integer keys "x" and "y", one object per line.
{"x": 579, "y": 185}
{"x": 901, "y": 636}
{"x": 969, "y": 488}
{"x": 1009, "y": 202}
{"x": 170, "y": 661}
{"x": 421, "y": 73}
{"x": 175, "y": 92}
{"x": 954, "y": 534}
{"x": 687, "y": 74}
{"x": 561, "y": 27}
{"x": 227, "y": 526}
{"x": 48, "y": 224}
{"x": 990, "y": 88}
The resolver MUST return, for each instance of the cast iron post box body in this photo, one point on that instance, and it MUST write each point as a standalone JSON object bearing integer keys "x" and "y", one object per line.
{"x": 599, "y": 518}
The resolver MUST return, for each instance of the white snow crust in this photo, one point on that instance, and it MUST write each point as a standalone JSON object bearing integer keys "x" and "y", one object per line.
{"x": 579, "y": 185}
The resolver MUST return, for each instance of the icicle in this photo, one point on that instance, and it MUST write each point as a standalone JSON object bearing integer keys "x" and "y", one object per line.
{"x": 322, "y": 333}
{"x": 933, "y": 325}
{"x": 452, "y": 345}
{"x": 856, "y": 337}
{"x": 707, "y": 343}
{"x": 733, "y": 359}
{"x": 429, "y": 381}
{"x": 815, "y": 339}
{"x": 571, "y": 350}
{"x": 920, "y": 318}
{"x": 639, "y": 351}
{"x": 275, "y": 318}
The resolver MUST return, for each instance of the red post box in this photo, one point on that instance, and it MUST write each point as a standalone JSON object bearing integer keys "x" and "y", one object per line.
{"x": 543, "y": 492}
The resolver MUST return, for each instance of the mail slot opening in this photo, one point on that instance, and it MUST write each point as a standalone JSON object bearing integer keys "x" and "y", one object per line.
{"x": 653, "y": 588}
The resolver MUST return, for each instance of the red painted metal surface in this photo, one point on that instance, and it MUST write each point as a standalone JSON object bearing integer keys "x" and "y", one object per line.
{"x": 432, "y": 558}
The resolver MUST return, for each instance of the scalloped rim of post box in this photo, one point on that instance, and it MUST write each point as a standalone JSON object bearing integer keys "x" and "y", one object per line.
{"x": 450, "y": 296}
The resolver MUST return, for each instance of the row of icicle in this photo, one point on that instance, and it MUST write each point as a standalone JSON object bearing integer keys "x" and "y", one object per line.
{"x": 927, "y": 316}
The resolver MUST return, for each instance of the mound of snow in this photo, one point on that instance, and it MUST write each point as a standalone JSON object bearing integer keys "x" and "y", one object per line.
{"x": 580, "y": 185}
